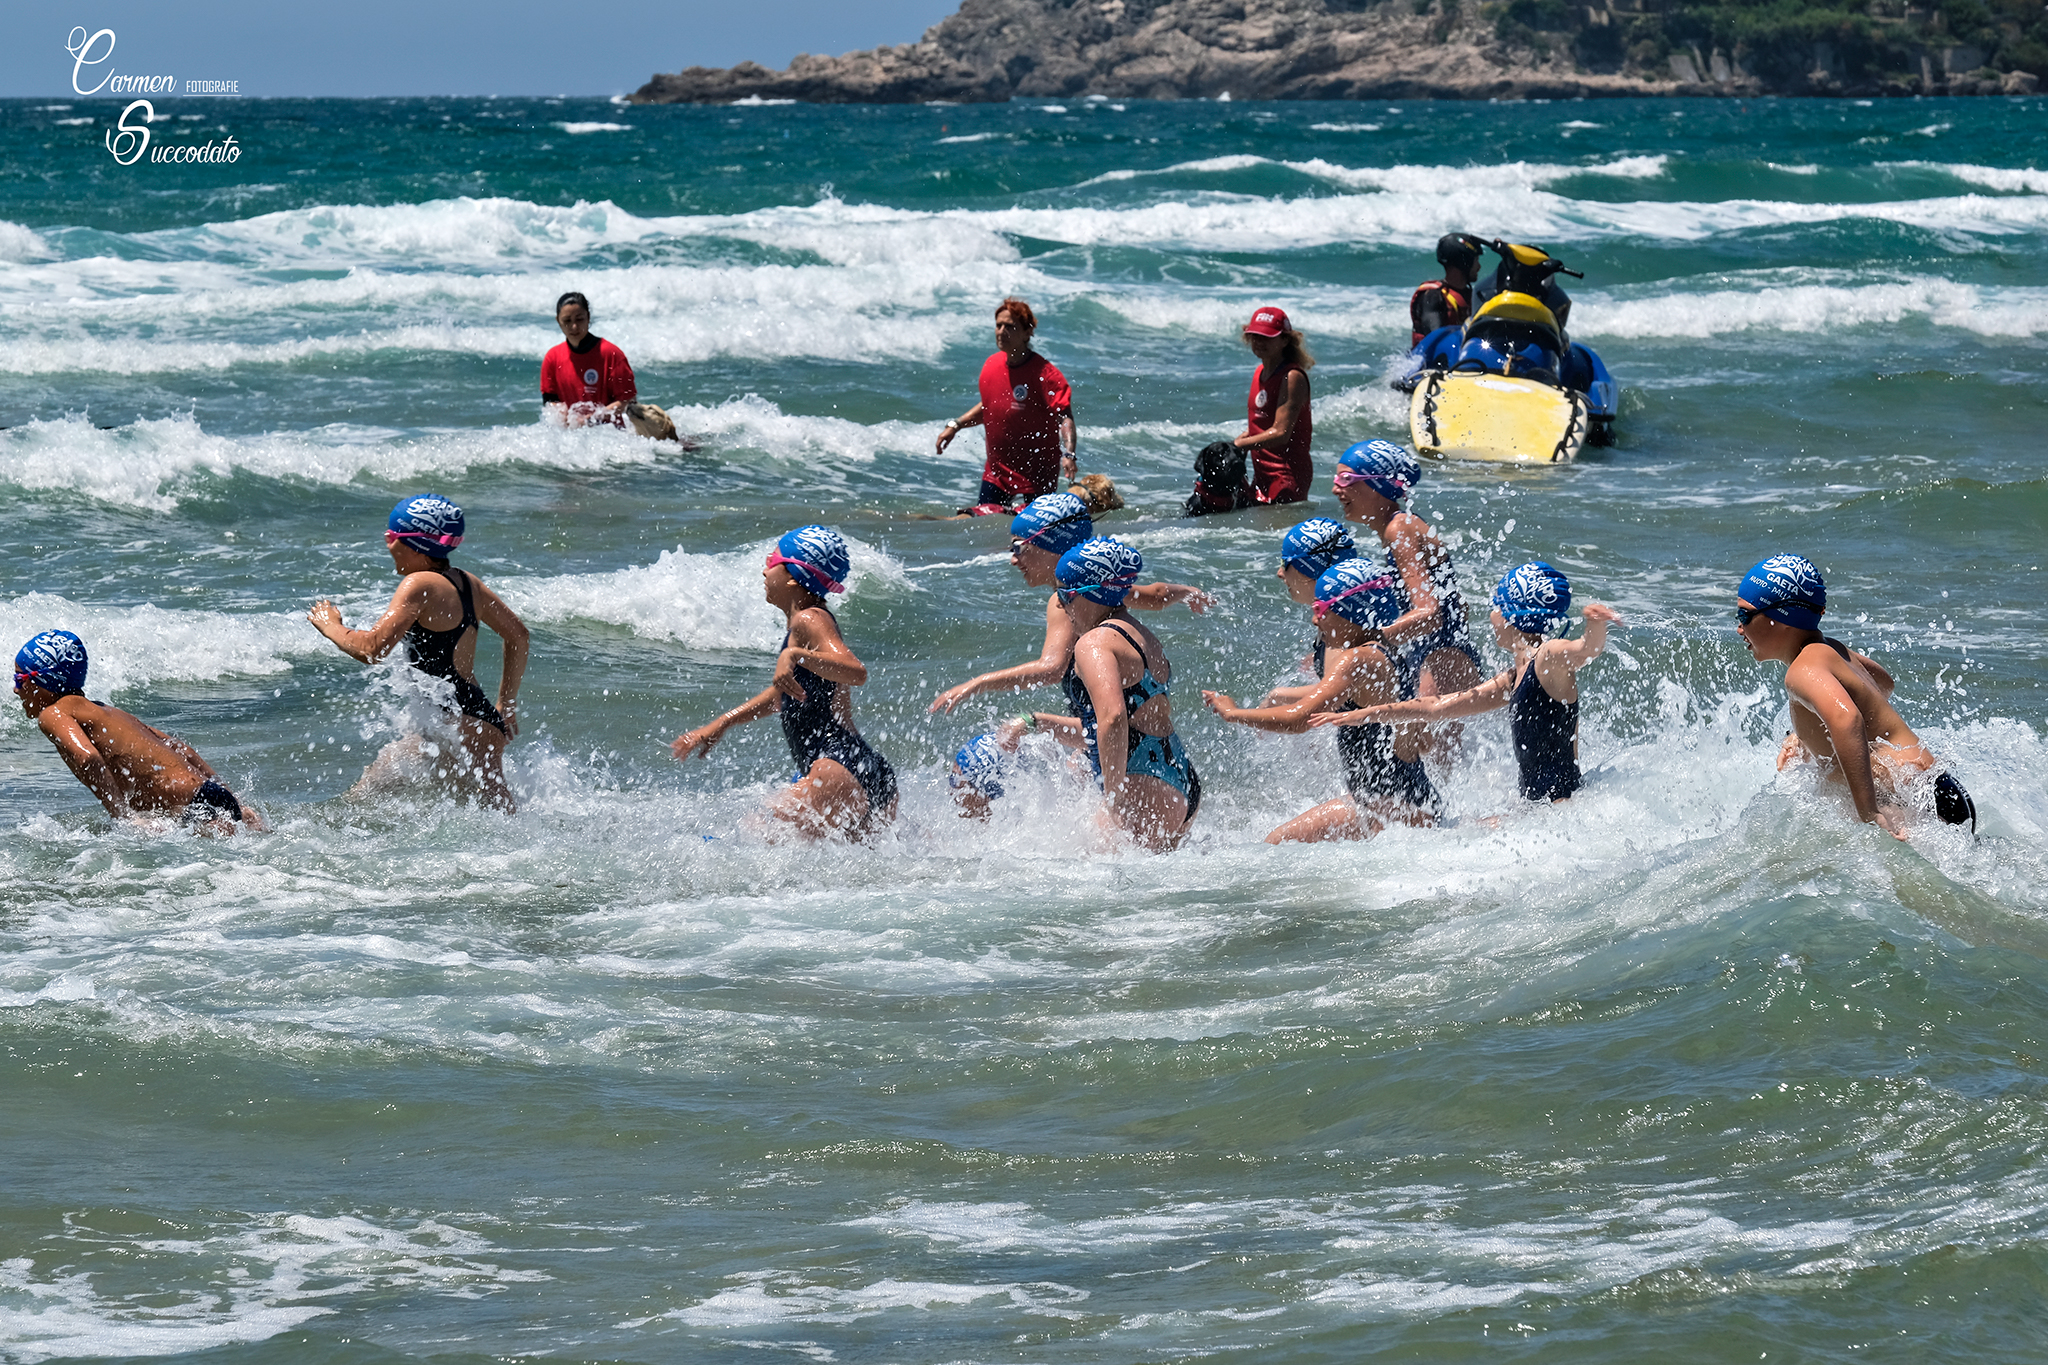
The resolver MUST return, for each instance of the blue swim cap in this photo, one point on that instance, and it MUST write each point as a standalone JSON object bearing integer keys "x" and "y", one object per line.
{"x": 1788, "y": 589}
{"x": 815, "y": 557}
{"x": 429, "y": 523}
{"x": 1102, "y": 570}
{"x": 1313, "y": 546}
{"x": 1365, "y": 592}
{"x": 1534, "y": 597}
{"x": 56, "y": 658}
{"x": 1385, "y": 467}
{"x": 1056, "y": 522}
{"x": 980, "y": 765}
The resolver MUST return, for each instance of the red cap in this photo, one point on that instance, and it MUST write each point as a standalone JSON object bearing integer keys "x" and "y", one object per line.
{"x": 1267, "y": 322}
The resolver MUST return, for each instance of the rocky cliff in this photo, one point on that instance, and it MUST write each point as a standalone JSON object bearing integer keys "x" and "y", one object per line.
{"x": 1407, "y": 49}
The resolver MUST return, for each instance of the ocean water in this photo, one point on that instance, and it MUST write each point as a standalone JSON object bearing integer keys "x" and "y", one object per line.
{"x": 1690, "y": 1065}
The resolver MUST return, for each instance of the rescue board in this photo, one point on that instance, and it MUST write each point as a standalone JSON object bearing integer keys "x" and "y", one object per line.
{"x": 1492, "y": 417}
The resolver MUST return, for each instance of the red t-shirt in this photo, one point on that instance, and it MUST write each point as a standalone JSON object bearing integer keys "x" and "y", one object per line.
{"x": 598, "y": 375}
{"x": 1282, "y": 474}
{"x": 1021, "y": 410}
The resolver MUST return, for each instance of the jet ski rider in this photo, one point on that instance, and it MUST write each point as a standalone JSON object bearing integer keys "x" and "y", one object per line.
{"x": 1511, "y": 274}
{"x": 1446, "y": 302}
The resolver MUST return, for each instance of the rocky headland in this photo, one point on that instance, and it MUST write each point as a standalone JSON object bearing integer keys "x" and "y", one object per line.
{"x": 1411, "y": 49}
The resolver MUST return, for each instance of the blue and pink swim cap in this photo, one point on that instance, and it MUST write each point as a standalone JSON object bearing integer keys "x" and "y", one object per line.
{"x": 815, "y": 557}
{"x": 1103, "y": 570}
{"x": 427, "y": 522}
{"x": 1788, "y": 589}
{"x": 1054, "y": 522}
{"x": 1365, "y": 592}
{"x": 1313, "y": 546}
{"x": 1387, "y": 468}
{"x": 1533, "y": 597}
{"x": 55, "y": 661}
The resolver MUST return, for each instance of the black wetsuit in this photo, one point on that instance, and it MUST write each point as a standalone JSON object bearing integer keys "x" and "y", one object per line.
{"x": 1163, "y": 757}
{"x": 433, "y": 653}
{"x": 1546, "y": 735}
{"x": 813, "y": 732}
{"x": 1371, "y": 769}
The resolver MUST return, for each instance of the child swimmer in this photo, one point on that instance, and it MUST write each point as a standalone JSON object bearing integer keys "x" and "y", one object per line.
{"x": 842, "y": 785}
{"x": 133, "y": 768}
{"x": 1355, "y": 600}
{"x": 1539, "y": 687}
{"x": 1842, "y": 716}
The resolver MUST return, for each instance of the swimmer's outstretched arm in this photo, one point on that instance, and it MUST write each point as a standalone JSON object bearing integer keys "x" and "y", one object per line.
{"x": 492, "y": 611}
{"x": 1490, "y": 695}
{"x": 1558, "y": 662}
{"x": 368, "y": 646}
{"x": 1048, "y": 668}
{"x": 1290, "y": 717}
{"x": 1066, "y": 729}
{"x": 701, "y": 739}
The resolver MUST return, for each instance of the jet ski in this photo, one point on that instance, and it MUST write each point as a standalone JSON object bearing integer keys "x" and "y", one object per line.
{"x": 1508, "y": 386}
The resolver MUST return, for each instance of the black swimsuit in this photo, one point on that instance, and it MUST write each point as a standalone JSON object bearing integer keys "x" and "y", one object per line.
{"x": 1371, "y": 770}
{"x": 433, "y": 653}
{"x": 1546, "y": 734}
{"x": 813, "y": 731}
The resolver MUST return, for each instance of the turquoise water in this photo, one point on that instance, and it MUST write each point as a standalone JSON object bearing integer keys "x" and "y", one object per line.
{"x": 1690, "y": 1065}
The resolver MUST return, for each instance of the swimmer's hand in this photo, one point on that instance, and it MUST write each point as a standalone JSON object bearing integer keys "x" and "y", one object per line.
{"x": 1890, "y": 820}
{"x": 946, "y": 435}
{"x": 950, "y": 698}
{"x": 508, "y": 711}
{"x": 1791, "y": 751}
{"x": 1219, "y": 702}
{"x": 1600, "y": 611}
{"x": 1199, "y": 601}
{"x": 326, "y": 618}
{"x": 1360, "y": 717}
{"x": 698, "y": 741}
{"x": 1009, "y": 735}
{"x": 785, "y": 674}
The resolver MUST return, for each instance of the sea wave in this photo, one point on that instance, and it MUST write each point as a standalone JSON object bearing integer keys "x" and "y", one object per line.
{"x": 136, "y": 646}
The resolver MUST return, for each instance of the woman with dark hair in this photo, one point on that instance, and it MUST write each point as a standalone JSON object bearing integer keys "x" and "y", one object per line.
{"x": 1029, "y": 412}
{"x": 586, "y": 378}
{"x": 1278, "y": 426}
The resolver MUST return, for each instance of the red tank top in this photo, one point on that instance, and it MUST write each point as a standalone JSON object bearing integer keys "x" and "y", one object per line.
{"x": 1021, "y": 410}
{"x": 1280, "y": 474}
{"x": 599, "y": 375}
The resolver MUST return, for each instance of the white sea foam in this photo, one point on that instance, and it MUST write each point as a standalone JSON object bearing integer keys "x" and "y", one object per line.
{"x": 1346, "y": 127}
{"x": 18, "y": 243}
{"x": 794, "y": 1299}
{"x": 595, "y": 127}
{"x": 134, "y": 646}
{"x": 157, "y": 462}
{"x": 2021, "y": 180}
{"x": 1768, "y": 306}
{"x": 704, "y": 601}
{"x": 192, "y": 1305}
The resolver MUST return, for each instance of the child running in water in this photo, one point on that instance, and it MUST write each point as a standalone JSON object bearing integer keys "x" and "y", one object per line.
{"x": 1355, "y": 600}
{"x": 1120, "y": 700}
{"x": 1842, "y": 715}
{"x": 1540, "y": 687}
{"x": 434, "y": 612}
{"x": 134, "y": 769}
{"x": 841, "y": 785}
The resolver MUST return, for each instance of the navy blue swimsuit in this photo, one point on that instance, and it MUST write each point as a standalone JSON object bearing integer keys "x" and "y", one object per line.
{"x": 1150, "y": 755}
{"x": 813, "y": 731}
{"x": 1371, "y": 769}
{"x": 1451, "y": 631}
{"x": 1546, "y": 735}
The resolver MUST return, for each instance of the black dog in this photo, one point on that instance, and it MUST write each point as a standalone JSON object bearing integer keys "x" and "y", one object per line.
{"x": 1219, "y": 481}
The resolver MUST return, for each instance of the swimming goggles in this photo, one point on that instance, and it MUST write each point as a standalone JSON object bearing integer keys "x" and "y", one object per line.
{"x": 1744, "y": 615}
{"x": 776, "y": 557}
{"x": 445, "y": 542}
{"x": 1325, "y": 605}
{"x": 21, "y": 678}
{"x": 1019, "y": 542}
{"x": 1066, "y": 595}
{"x": 1387, "y": 488}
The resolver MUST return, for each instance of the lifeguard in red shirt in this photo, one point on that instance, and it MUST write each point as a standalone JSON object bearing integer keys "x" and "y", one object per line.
{"x": 586, "y": 378}
{"x": 1029, "y": 413}
{"x": 1277, "y": 422}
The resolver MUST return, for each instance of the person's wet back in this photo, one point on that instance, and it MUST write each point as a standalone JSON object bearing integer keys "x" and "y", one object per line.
{"x": 133, "y": 768}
